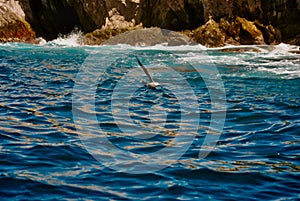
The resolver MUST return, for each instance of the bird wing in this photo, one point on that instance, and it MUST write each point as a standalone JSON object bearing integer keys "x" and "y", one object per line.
{"x": 145, "y": 70}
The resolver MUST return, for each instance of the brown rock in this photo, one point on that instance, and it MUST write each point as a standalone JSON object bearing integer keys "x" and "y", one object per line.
{"x": 13, "y": 27}
{"x": 272, "y": 35}
{"x": 295, "y": 41}
{"x": 210, "y": 34}
{"x": 249, "y": 33}
{"x": 140, "y": 37}
{"x": 235, "y": 31}
{"x": 98, "y": 36}
{"x": 51, "y": 17}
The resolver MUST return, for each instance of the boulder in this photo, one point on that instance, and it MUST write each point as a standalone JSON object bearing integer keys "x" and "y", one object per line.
{"x": 98, "y": 36}
{"x": 210, "y": 34}
{"x": 13, "y": 26}
{"x": 149, "y": 37}
{"x": 235, "y": 31}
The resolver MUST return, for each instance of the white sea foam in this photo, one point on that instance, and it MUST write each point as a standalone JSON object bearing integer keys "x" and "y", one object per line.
{"x": 282, "y": 72}
{"x": 70, "y": 40}
{"x": 42, "y": 41}
{"x": 273, "y": 60}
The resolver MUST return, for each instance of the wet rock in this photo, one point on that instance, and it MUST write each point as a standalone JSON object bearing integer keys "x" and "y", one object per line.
{"x": 150, "y": 37}
{"x": 98, "y": 36}
{"x": 13, "y": 26}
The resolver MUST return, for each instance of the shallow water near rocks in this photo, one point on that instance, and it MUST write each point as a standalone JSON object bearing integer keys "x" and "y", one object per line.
{"x": 43, "y": 156}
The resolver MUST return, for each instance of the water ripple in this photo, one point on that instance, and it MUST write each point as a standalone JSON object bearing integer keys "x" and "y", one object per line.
{"x": 42, "y": 157}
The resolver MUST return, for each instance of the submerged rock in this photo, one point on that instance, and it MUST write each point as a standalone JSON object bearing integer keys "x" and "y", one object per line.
{"x": 13, "y": 26}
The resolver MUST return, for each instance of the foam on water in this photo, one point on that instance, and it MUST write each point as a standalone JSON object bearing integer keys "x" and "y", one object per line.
{"x": 268, "y": 60}
{"x": 70, "y": 40}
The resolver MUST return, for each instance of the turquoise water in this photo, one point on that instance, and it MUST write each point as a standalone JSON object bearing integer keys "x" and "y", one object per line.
{"x": 52, "y": 135}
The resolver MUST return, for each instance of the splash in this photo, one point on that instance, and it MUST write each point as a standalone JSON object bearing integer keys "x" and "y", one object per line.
{"x": 71, "y": 40}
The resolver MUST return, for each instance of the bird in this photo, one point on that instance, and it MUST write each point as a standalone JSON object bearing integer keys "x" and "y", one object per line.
{"x": 152, "y": 84}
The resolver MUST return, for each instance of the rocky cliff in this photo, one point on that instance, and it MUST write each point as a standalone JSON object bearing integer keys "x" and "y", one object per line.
{"x": 13, "y": 26}
{"x": 224, "y": 21}
{"x": 49, "y": 18}
{"x": 190, "y": 14}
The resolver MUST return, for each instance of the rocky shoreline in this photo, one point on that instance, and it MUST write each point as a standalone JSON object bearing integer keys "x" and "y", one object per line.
{"x": 211, "y": 23}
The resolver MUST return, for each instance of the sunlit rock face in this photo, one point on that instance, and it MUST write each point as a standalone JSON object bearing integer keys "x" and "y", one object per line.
{"x": 13, "y": 26}
{"x": 235, "y": 31}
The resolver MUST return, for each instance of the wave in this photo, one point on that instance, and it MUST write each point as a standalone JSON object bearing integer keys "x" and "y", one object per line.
{"x": 277, "y": 61}
{"x": 71, "y": 40}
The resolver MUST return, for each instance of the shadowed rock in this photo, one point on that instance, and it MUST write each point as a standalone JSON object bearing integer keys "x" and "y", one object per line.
{"x": 49, "y": 18}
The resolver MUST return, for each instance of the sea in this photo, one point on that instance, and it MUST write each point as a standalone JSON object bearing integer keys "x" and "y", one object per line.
{"x": 78, "y": 123}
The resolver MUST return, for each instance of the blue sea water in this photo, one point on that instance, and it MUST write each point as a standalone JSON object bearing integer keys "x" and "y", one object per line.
{"x": 49, "y": 149}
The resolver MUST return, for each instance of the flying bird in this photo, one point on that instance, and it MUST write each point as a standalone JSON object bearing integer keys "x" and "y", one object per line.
{"x": 152, "y": 84}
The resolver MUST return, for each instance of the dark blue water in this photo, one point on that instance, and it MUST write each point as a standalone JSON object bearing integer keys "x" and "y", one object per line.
{"x": 48, "y": 125}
